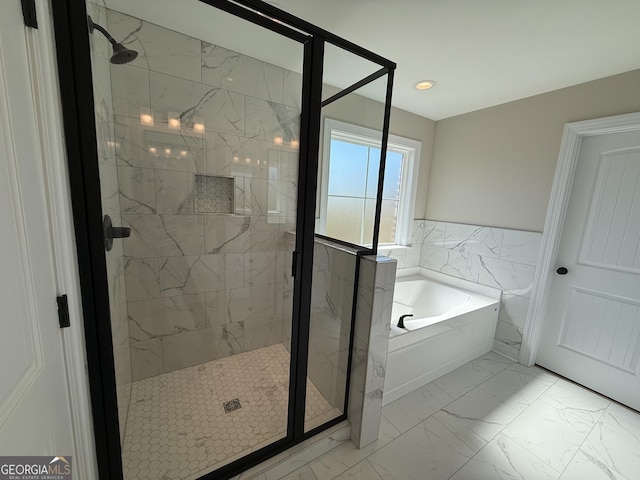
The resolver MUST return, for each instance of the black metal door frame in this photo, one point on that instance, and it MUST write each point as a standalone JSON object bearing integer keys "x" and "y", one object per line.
{"x": 76, "y": 85}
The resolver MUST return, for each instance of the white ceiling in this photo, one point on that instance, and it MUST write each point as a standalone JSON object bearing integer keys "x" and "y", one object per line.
{"x": 480, "y": 52}
{"x": 484, "y": 52}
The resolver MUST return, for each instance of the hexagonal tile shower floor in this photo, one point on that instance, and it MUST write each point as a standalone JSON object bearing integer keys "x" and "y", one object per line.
{"x": 177, "y": 427}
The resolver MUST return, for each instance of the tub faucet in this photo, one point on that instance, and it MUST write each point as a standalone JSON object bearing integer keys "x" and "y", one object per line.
{"x": 401, "y": 320}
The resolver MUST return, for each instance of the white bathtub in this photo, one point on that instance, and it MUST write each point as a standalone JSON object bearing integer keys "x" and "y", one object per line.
{"x": 454, "y": 322}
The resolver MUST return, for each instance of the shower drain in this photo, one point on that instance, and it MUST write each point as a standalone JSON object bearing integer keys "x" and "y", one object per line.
{"x": 231, "y": 405}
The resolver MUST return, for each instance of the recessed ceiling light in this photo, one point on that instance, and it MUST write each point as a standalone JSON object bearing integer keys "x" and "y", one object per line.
{"x": 424, "y": 84}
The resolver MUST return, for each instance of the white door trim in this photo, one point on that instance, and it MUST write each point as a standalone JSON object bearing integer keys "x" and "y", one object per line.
{"x": 560, "y": 191}
{"x": 44, "y": 77}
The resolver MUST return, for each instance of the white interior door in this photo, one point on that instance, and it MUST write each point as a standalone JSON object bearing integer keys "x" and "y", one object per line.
{"x": 591, "y": 331}
{"x": 34, "y": 407}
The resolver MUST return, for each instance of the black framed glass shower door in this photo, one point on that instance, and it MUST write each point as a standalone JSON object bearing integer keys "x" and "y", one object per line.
{"x": 206, "y": 143}
{"x": 203, "y": 146}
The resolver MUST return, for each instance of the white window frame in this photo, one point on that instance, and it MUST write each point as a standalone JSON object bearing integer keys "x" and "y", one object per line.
{"x": 370, "y": 137}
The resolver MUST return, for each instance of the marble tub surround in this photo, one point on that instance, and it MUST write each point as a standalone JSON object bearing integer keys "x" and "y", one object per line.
{"x": 371, "y": 340}
{"x": 331, "y": 310}
{"x": 208, "y": 197}
{"x": 495, "y": 257}
{"x": 100, "y": 55}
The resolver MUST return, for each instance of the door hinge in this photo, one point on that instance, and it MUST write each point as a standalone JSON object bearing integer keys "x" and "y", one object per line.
{"x": 63, "y": 311}
{"x": 29, "y": 13}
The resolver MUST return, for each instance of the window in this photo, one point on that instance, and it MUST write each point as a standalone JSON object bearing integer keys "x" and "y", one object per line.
{"x": 351, "y": 162}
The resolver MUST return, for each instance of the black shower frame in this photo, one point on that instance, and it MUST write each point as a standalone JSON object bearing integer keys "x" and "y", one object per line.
{"x": 78, "y": 115}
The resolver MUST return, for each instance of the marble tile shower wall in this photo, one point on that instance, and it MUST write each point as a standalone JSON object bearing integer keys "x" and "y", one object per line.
{"x": 371, "y": 340}
{"x": 496, "y": 257}
{"x": 331, "y": 310}
{"x": 100, "y": 54}
{"x": 202, "y": 286}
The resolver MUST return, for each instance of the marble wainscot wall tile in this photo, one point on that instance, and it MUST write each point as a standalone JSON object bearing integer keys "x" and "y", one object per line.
{"x": 264, "y": 236}
{"x": 159, "y": 49}
{"x": 292, "y": 89}
{"x": 232, "y": 155}
{"x": 226, "y": 234}
{"x": 373, "y": 317}
{"x": 266, "y": 120}
{"x": 332, "y": 298}
{"x": 261, "y": 268}
{"x": 137, "y": 190}
{"x": 262, "y": 332}
{"x": 199, "y": 346}
{"x": 146, "y": 358}
{"x": 234, "y": 270}
{"x": 450, "y": 262}
{"x": 496, "y": 257}
{"x": 166, "y": 316}
{"x": 145, "y": 146}
{"x": 521, "y": 247}
{"x": 130, "y": 87}
{"x": 222, "y": 110}
{"x": 241, "y": 74}
{"x": 141, "y": 275}
{"x": 174, "y": 192}
{"x": 433, "y": 233}
{"x": 249, "y": 303}
{"x": 191, "y": 274}
{"x": 234, "y": 265}
{"x": 163, "y": 235}
{"x": 472, "y": 239}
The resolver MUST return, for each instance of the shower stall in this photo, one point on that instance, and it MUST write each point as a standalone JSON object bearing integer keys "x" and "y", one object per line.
{"x": 218, "y": 313}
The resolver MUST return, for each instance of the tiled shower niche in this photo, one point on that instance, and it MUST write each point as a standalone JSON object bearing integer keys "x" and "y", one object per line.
{"x": 214, "y": 194}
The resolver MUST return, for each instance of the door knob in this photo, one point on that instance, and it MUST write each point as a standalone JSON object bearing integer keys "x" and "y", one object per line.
{"x": 562, "y": 271}
{"x": 110, "y": 232}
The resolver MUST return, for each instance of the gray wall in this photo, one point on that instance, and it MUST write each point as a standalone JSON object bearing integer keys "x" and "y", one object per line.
{"x": 495, "y": 167}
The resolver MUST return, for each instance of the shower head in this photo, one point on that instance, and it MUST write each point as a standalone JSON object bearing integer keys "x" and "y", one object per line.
{"x": 121, "y": 54}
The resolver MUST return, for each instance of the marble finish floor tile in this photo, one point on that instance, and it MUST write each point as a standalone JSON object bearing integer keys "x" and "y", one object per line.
{"x": 463, "y": 379}
{"x": 361, "y": 471}
{"x": 506, "y": 422}
{"x": 615, "y": 442}
{"x": 177, "y": 426}
{"x": 504, "y": 459}
{"x": 406, "y": 412}
{"x": 428, "y": 450}
{"x": 553, "y": 430}
{"x": 585, "y": 467}
{"x": 347, "y": 455}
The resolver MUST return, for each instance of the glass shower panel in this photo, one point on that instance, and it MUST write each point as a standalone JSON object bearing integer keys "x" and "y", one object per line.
{"x": 348, "y": 182}
{"x": 341, "y": 69}
{"x": 199, "y": 139}
{"x": 350, "y": 164}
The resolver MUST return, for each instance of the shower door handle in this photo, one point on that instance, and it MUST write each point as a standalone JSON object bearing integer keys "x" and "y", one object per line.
{"x": 110, "y": 232}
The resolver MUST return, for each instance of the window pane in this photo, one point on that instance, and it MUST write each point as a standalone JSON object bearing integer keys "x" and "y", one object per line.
{"x": 369, "y": 218}
{"x": 388, "y": 219}
{"x": 347, "y": 169}
{"x": 344, "y": 218}
{"x": 372, "y": 172}
{"x": 392, "y": 176}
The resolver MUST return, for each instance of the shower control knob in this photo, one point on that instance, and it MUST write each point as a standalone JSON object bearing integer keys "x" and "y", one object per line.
{"x": 562, "y": 271}
{"x": 110, "y": 232}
